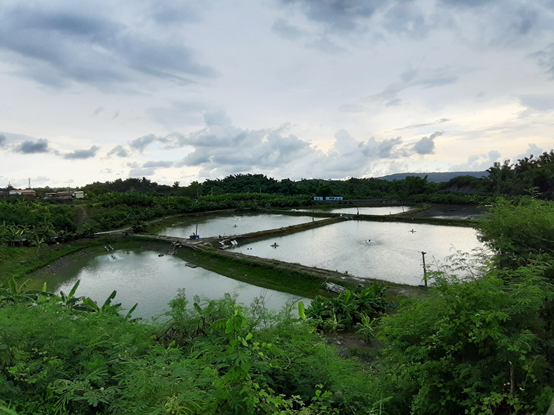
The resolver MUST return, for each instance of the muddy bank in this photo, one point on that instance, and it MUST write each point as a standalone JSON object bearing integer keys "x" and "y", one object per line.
{"x": 451, "y": 211}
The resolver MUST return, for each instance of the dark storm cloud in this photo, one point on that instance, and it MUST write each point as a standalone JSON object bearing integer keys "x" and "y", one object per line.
{"x": 118, "y": 151}
{"x": 2, "y": 140}
{"x": 140, "y": 143}
{"x": 235, "y": 147}
{"x": 86, "y": 44}
{"x": 173, "y": 13}
{"x": 545, "y": 59}
{"x": 341, "y": 15}
{"x": 387, "y": 145}
{"x": 524, "y": 20}
{"x": 33, "y": 147}
{"x": 406, "y": 18}
{"x": 468, "y": 3}
{"x": 427, "y": 144}
{"x": 82, "y": 154}
{"x": 223, "y": 149}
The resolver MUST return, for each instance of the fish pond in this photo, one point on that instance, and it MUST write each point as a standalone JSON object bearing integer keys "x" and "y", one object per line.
{"x": 390, "y": 251}
{"x": 152, "y": 281}
{"x": 366, "y": 210}
{"x": 232, "y": 224}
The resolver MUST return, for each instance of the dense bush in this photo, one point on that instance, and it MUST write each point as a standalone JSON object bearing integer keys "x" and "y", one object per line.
{"x": 471, "y": 347}
{"x": 68, "y": 355}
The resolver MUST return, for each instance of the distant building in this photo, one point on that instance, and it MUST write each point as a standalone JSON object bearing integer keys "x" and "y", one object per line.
{"x": 333, "y": 198}
{"x": 28, "y": 193}
{"x": 64, "y": 195}
{"x": 318, "y": 198}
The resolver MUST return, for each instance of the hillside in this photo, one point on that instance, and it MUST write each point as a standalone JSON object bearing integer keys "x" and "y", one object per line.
{"x": 437, "y": 177}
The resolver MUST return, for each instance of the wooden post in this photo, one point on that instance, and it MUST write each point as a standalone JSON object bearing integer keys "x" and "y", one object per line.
{"x": 424, "y": 268}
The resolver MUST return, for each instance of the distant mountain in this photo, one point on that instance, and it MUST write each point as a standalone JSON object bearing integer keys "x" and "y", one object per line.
{"x": 435, "y": 177}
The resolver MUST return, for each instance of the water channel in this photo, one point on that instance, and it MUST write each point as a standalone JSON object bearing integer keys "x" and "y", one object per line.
{"x": 387, "y": 251}
{"x": 232, "y": 224}
{"x": 151, "y": 281}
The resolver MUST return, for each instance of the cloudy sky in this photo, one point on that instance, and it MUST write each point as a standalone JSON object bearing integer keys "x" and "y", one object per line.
{"x": 188, "y": 90}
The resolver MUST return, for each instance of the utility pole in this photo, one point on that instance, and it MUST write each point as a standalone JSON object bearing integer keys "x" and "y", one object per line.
{"x": 424, "y": 268}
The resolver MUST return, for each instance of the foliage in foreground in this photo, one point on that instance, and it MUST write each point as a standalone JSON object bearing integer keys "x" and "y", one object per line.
{"x": 519, "y": 230}
{"x": 215, "y": 357}
{"x": 479, "y": 347}
{"x": 348, "y": 310}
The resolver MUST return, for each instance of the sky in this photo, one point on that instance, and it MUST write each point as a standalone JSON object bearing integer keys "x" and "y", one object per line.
{"x": 188, "y": 90}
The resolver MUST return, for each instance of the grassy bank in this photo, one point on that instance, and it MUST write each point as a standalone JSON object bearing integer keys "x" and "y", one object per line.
{"x": 17, "y": 262}
{"x": 255, "y": 272}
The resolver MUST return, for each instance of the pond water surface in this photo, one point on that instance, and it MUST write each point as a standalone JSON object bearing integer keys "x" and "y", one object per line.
{"x": 385, "y": 251}
{"x": 151, "y": 281}
{"x": 232, "y": 224}
{"x": 373, "y": 210}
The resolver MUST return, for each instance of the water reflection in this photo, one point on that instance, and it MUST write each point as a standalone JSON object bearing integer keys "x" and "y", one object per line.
{"x": 152, "y": 281}
{"x": 232, "y": 224}
{"x": 386, "y": 251}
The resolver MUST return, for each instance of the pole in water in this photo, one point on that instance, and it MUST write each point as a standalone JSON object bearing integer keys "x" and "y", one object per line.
{"x": 424, "y": 268}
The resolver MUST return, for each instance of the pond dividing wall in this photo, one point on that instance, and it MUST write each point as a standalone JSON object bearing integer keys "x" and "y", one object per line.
{"x": 233, "y": 224}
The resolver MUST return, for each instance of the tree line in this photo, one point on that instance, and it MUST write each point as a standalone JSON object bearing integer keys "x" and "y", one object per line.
{"x": 530, "y": 175}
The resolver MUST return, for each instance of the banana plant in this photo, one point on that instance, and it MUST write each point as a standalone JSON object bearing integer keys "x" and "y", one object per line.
{"x": 89, "y": 304}
{"x": 10, "y": 291}
{"x": 70, "y": 300}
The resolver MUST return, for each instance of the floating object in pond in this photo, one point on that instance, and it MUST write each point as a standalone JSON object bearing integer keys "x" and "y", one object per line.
{"x": 412, "y": 231}
{"x": 191, "y": 265}
{"x": 113, "y": 257}
{"x": 235, "y": 226}
{"x": 160, "y": 255}
{"x": 274, "y": 245}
